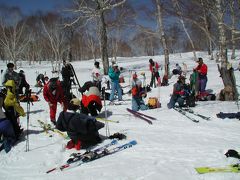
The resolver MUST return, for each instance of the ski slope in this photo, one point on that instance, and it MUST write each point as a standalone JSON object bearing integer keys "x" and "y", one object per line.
{"x": 169, "y": 149}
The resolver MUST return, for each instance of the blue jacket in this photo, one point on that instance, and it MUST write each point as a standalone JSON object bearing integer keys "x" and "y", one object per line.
{"x": 114, "y": 76}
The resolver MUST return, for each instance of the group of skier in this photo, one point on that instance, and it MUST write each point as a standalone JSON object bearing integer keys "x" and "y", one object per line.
{"x": 80, "y": 123}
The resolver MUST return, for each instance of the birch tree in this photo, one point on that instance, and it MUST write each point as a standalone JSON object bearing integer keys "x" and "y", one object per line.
{"x": 163, "y": 37}
{"x": 88, "y": 10}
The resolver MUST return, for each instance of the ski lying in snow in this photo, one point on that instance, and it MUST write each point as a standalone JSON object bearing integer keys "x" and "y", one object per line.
{"x": 142, "y": 114}
{"x": 92, "y": 155}
{"x": 234, "y": 168}
{"x": 139, "y": 115}
{"x": 185, "y": 114}
{"x": 74, "y": 157}
{"x": 48, "y": 127}
{"x": 106, "y": 120}
{"x": 196, "y": 114}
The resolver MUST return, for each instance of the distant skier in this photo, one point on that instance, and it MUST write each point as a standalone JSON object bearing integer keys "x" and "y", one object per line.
{"x": 202, "y": 70}
{"x": 23, "y": 83}
{"x": 153, "y": 66}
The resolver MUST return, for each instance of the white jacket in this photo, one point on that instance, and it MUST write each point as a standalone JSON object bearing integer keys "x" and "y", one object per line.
{"x": 97, "y": 74}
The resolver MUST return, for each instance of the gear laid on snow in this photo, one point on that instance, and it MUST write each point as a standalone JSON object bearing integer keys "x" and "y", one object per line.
{"x": 232, "y": 153}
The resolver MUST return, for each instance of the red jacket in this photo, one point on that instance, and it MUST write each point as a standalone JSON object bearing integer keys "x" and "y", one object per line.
{"x": 49, "y": 97}
{"x": 202, "y": 69}
{"x": 154, "y": 68}
{"x": 87, "y": 99}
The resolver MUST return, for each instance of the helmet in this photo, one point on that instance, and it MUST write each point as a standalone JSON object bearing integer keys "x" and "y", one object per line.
{"x": 10, "y": 65}
{"x": 21, "y": 71}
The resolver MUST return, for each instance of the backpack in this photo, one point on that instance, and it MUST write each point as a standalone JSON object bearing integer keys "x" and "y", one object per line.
{"x": 153, "y": 103}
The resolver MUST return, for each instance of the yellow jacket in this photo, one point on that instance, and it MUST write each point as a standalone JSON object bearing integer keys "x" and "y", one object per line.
{"x": 11, "y": 99}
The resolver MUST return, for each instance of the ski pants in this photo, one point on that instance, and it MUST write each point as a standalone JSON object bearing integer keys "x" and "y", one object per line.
{"x": 138, "y": 104}
{"x": 115, "y": 87}
{"x": 202, "y": 84}
{"x": 175, "y": 99}
{"x": 155, "y": 75}
{"x": 53, "y": 110}
{"x": 7, "y": 130}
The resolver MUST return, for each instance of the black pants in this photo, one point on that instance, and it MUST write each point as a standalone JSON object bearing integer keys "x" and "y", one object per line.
{"x": 12, "y": 116}
{"x": 155, "y": 75}
{"x": 92, "y": 108}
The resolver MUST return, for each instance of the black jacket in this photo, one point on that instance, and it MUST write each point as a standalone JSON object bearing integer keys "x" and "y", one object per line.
{"x": 79, "y": 126}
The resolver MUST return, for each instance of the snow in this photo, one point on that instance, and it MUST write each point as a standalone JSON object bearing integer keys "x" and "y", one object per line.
{"x": 168, "y": 149}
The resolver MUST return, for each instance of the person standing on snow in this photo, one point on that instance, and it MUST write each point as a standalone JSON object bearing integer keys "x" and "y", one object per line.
{"x": 202, "y": 70}
{"x": 114, "y": 74}
{"x": 23, "y": 82}
{"x": 153, "y": 67}
{"x": 138, "y": 92}
{"x": 81, "y": 128}
{"x": 97, "y": 75}
{"x": 10, "y": 74}
{"x": 53, "y": 93}
{"x": 12, "y": 107}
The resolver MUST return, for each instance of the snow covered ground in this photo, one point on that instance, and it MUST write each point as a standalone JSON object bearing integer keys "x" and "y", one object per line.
{"x": 169, "y": 149}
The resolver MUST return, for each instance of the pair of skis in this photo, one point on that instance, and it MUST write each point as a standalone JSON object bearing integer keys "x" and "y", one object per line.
{"x": 142, "y": 116}
{"x": 184, "y": 112}
{"x": 48, "y": 127}
{"x": 79, "y": 159}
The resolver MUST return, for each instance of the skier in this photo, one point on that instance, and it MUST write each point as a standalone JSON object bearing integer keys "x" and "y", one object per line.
{"x": 179, "y": 93}
{"x": 23, "y": 82}
{"x": 6, "y": 128}
{"x": 202, "y": 77}
{"x": 114, "y": 74}
{"x": 91, "y": 100}
{"x": 10, "y": 74}
{"x": 97, "y": 75}
{"x": 67, "y": 77}
{"x": 53, "y": 93}
{"x": 138, "y": 93}
{"x": 153, "y": 66}
{"x": 82, "y": 129}
{"x": 12, "y": 108}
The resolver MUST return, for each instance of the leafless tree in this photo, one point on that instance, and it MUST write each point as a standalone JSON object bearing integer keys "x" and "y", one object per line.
{"x": 89, "y": 10}
{"x": 14, "y": 36}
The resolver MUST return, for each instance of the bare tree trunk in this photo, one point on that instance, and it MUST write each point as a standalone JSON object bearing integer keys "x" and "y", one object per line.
{"x": 179, "y": 13}
{"x": 163, "y": 37}
{"x": 104, "y": 49}
{"x": 229, "y": 92}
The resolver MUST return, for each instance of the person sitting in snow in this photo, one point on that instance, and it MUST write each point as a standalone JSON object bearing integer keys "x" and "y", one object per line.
{"x": 177, "y": 70}
{"x": 53, "y": 93}
{"x": 82, "y": 129}
{"x": 23, "y": 82}
{"x": 179, "y": 93}
{"x": 91, "y": 99}
{"x": 138, "y": 92}
{"x": 12, "y": 107}
{"x": 6, "y": 128}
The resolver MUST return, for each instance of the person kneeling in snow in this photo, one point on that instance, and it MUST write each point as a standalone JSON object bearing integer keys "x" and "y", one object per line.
{"x": 137, "y": 94}
{"x": 178, "y": 93}
{"x": 82, "y": 129}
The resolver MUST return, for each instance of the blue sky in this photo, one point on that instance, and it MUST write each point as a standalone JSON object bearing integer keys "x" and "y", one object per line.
{"x": 31, "y": 6}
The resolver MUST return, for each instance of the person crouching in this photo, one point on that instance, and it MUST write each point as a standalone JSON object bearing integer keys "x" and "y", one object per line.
{"x": 82, "y": 129}
{"x": 137, "y": 94}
